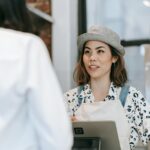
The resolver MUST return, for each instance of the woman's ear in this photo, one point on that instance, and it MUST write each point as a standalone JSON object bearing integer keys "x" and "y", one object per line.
{"x": 115, "y": 58}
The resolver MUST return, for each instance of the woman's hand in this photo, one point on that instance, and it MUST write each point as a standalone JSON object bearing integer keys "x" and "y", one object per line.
{"x": 73, "y": 118}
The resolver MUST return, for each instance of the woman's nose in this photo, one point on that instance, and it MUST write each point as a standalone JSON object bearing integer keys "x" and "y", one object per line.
{"x": 92, "y": 57}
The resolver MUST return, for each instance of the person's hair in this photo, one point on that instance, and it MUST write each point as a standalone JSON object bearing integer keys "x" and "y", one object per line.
{"x": 118, "y": 73}
{"x": 14, "y": 15}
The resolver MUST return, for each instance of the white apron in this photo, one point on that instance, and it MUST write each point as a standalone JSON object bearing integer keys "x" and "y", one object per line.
{"x": 107, "y": 110}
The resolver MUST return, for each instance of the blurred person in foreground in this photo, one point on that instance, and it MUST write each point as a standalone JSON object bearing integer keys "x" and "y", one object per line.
{"x": 103, "y": 92}
{"x": 32, "y": 111}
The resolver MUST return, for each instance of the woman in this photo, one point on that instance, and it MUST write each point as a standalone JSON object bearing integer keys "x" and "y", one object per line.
{"x": 101, "y": 77}
{"x": 32, "y": 111}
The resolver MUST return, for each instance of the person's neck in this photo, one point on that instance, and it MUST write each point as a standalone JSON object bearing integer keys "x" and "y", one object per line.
{"x": 100, "y": 88}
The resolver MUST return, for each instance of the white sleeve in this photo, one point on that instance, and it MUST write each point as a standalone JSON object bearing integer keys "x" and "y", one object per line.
{"x": 47, "y": 110}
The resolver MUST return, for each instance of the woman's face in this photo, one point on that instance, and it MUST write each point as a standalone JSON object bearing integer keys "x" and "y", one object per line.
{"x": 98, "y": 59}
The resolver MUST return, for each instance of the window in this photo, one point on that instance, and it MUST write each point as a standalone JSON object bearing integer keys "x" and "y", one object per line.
{"x": 40, "y": 11}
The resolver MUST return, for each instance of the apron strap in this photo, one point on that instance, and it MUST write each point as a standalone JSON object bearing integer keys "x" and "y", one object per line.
{"x": 123, "y": 94}
{"x": 80, "y": 88}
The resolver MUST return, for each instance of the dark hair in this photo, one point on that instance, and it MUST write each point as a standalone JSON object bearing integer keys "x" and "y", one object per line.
{"x": 14, "y": 15}
{"x": 118, "y": 73}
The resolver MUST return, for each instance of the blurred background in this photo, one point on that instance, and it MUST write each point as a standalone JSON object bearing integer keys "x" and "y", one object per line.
{"x": 59, "y": 23}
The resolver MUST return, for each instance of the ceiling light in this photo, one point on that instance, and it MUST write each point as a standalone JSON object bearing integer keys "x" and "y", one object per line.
{"x": 146, "y": 3}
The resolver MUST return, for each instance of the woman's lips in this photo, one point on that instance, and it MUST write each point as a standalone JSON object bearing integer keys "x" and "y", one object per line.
{"x": 93, "y": 67}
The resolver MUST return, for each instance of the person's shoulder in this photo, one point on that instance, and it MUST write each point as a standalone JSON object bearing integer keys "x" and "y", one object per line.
{"x": 135, "y": 93}
{"x": 134, "y": 89}
{"x": 131, "y": 88}
{"x": 71, "y": 92}
{"x": 75, "y": 92}
{"x": 21, "y": 36}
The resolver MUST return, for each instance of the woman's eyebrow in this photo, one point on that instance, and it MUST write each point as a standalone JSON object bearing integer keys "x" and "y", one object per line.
{"x": 95, "y": 48}
{"x": 86, "y": 47}
{"x": 99, "y": 47}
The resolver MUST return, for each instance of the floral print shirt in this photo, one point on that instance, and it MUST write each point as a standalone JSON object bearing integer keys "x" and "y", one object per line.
{"x": 137, "y": 109}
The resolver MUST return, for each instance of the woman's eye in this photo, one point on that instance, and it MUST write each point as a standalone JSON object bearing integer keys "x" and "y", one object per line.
{"x": 100, "y": 51}
{"x": 86, "y": 51}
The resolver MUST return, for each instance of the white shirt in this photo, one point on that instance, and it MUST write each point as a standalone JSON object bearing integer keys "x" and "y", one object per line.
{"x": 32, "y": 110}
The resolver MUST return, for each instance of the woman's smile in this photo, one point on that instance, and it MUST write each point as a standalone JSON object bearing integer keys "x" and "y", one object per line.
{"x": 93, "y": 67}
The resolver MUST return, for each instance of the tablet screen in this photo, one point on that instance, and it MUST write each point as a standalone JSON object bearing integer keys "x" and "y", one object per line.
{"x": 86, "y": 143}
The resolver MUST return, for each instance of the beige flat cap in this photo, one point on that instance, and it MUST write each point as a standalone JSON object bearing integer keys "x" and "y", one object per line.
{"x": 103, "y": 34}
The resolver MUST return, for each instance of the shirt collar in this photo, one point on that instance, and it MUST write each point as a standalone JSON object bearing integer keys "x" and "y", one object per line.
{"x": 87, "y": 95}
